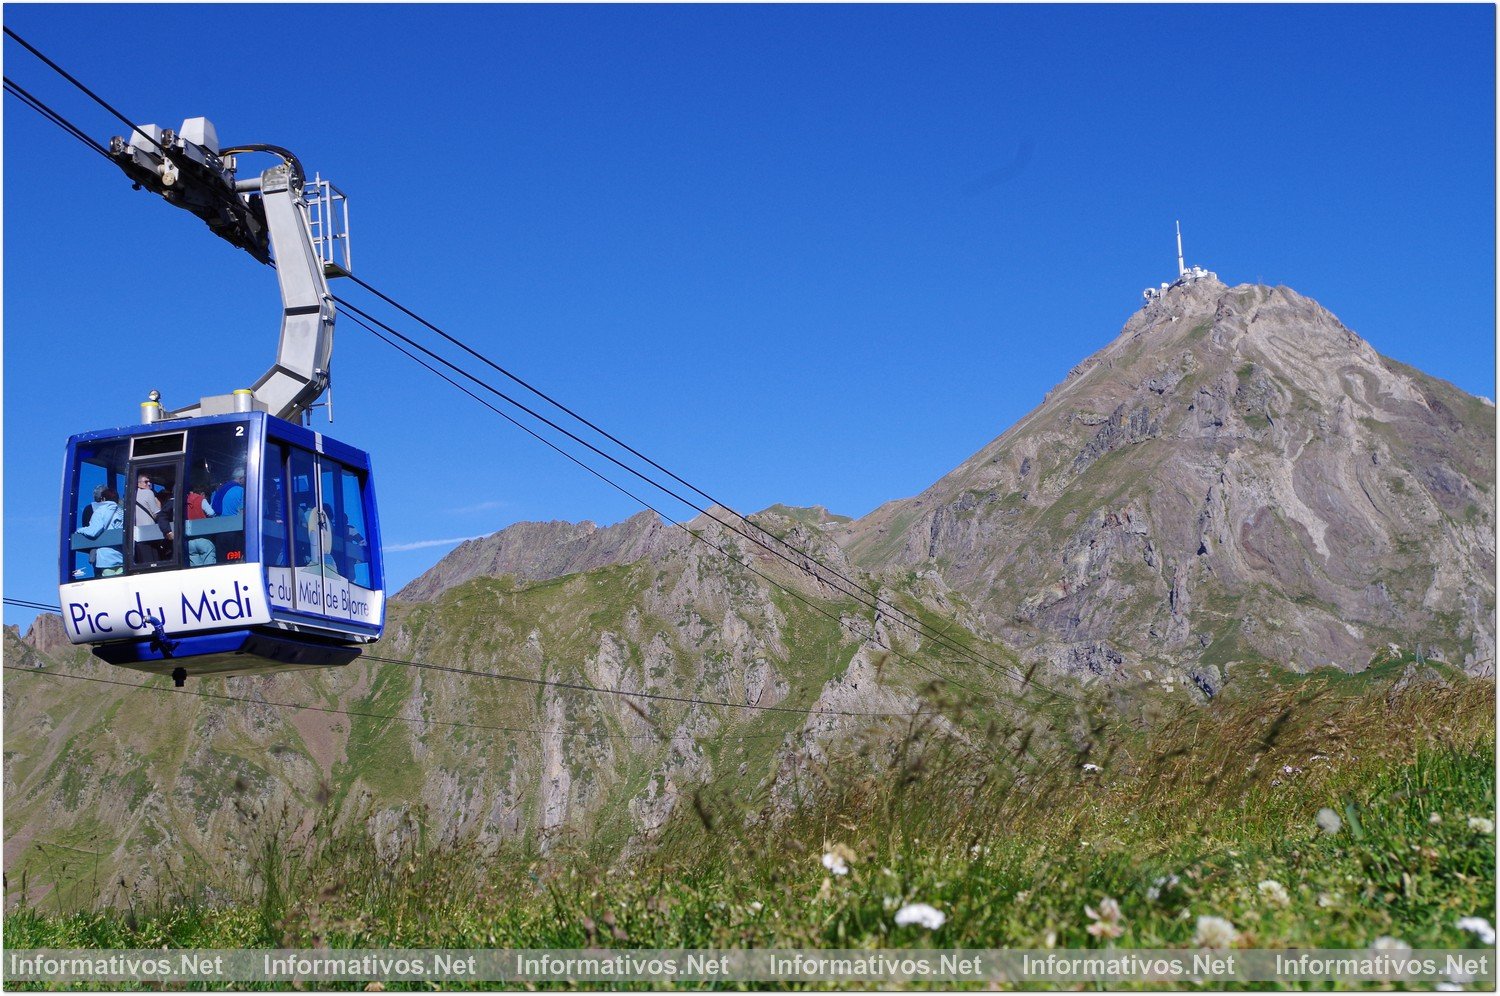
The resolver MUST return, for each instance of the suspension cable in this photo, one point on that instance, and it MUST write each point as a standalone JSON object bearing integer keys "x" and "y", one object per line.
{"x": 623, "y": 693}
{"x": 732, "y": 558}
{"x": 415, "y": 721}
{"x": 878, "y": 602}
{"x": 936, "y": 637}
{"x": 35, "y": 103}
{"x": 77, "y": 83}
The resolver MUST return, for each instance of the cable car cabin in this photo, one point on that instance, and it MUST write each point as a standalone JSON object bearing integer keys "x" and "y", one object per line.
{"x": 224, "y": 544}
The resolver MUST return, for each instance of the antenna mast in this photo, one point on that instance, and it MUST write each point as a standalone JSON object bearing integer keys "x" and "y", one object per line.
{"x": 1185, "y": 275}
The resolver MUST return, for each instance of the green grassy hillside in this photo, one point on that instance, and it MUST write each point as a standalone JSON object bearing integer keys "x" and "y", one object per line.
{"x": 1191, "y": 812}
{"x": 116, "y": 784}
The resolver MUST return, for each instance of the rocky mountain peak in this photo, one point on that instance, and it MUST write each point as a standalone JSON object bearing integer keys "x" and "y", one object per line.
{"x": 540, "y": 551}
{"x": 1236, "y": 477}
{"x": 47, "y": 635}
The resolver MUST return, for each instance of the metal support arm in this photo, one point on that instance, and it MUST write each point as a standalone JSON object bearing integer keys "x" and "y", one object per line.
{"x": 301, "y": 372}
{"x": 249, "y": 214}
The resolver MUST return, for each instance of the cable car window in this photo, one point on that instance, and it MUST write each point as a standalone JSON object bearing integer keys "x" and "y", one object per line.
{"x": 151, "y": 519}
{"x": 96, "y": 545}
{"x": 216, "y": 521}
{"x": 149, "y": 446}
{"x": 350, "y": 534}
{"x": 275, "y": 536}
{"x": 275, "y": 541}
{"x": 329, "y": 490}
{"x": 309, "y": 532}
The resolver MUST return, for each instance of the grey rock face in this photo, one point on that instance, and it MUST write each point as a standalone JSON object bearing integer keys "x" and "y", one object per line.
{"x": 1237, "y": 477}
{"x": 47, "y": 636}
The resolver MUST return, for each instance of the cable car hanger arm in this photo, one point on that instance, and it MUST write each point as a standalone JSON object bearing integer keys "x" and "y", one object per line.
{"x": 268, "y": 217}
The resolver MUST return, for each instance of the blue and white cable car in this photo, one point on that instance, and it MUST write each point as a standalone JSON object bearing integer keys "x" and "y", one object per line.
{"x": 226, "y": 537}
{"x": 285, "y": 572}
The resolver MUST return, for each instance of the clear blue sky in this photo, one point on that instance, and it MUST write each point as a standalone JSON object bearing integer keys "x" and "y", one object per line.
{"x": 798, "y": 254}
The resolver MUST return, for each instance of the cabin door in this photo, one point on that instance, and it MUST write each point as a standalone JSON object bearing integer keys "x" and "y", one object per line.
{"x": 153, "y": 514}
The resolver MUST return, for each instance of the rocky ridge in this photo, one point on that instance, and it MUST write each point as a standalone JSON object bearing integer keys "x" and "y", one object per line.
{"x": 170, "y": 785}
{"x": 539, "y": 551}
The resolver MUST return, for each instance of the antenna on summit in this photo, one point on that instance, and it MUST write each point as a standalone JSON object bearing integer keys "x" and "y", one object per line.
{"x": 1185, "y": 275}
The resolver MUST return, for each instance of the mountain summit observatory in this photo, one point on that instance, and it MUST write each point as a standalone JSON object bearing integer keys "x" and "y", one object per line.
{"x": 1185, "y": 275}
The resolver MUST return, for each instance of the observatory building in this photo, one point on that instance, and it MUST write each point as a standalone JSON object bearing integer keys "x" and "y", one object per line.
{"x": 1185, "y": 275}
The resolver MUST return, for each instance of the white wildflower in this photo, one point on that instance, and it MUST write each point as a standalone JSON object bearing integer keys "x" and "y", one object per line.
{"x": 1435, "y": 819}
{"x": 837, "y": 858}
{"x": 1329, "y": 821}
{"x": 756, "y": 906}
{"x": 1023, "y": 896}
{"x": 1326, "y": 899}
{"x": 1105, "y": 930}
{"x": 1479, "y": 927}
{"x": 1215, "y": 932}
{"x": 1481, "y": 824}
{"x": 1108, "y": 923}
{"x": 889, "y": 903}
{"x": 1390, "y": 945}
{"x": 1165, "y": 883}
{"x": 1274, "y": 892}
{"x": 1090, "y": 767}
{"x": 920, "y": 915}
